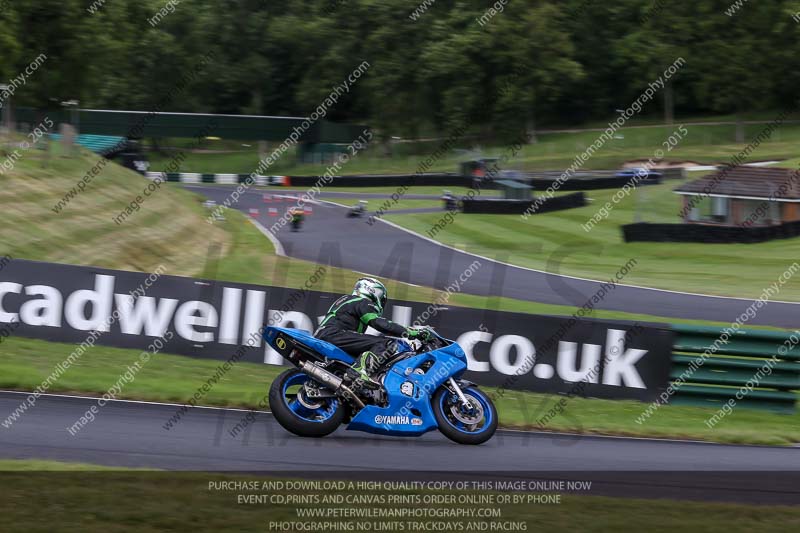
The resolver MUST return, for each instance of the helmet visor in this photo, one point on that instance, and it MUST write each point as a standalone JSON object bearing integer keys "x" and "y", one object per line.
{"x": 382, "y": 298}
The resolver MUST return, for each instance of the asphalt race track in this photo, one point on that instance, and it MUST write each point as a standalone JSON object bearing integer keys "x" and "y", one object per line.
{"x": 132, "y": 434}
{"x": 384, "y": 250}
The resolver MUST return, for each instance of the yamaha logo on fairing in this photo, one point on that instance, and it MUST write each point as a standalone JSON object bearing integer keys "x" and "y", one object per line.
{"x": 391, "y": 419}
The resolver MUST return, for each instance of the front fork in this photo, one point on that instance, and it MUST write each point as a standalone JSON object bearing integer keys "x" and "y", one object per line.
{"x": 454, "y": 386}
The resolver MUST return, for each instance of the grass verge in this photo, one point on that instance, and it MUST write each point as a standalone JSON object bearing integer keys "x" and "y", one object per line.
{"x": 36, "y": 465}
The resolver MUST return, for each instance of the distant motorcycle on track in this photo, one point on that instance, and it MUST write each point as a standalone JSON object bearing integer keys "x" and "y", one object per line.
{"x": 420, "y": 390}
{"x": 358, "y": 210}
{"x": 298, "y": 215}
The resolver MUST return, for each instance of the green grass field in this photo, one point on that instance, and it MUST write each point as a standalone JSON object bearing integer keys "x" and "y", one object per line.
{"x": 129, "y": 501}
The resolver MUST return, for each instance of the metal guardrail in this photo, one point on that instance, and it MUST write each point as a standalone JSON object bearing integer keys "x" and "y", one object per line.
{"x": 757, "y": 369}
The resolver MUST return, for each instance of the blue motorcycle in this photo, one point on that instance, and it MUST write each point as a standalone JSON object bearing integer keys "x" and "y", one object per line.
{"x": 418, "y": 389}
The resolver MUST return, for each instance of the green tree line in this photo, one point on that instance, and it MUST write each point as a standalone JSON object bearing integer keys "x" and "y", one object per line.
{"x": 497, "y": 66}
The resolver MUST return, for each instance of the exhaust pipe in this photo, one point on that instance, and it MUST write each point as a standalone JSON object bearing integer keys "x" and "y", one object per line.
{"x": 323, "y": 376}
{"x": 331, "y": 381}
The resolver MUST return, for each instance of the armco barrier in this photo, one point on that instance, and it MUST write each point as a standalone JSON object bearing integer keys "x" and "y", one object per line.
{"x": 757, "y": 369}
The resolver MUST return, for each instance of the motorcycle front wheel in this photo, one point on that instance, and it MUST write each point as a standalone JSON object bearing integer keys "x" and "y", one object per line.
{"x": 465, "y": 425}
{"x": 299, "y": 414}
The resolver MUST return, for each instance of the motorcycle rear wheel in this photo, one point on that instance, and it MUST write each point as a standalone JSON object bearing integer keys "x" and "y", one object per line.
{"x": 300, "y": 415}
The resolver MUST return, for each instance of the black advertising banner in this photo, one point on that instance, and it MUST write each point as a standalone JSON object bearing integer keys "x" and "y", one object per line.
{"x": 216, "y": 319}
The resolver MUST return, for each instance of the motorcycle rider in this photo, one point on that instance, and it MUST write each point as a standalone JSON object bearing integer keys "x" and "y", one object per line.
{"x": 449, "y": 200}
{"x": 297, "y": 214}
{"x": 349, "y": 316}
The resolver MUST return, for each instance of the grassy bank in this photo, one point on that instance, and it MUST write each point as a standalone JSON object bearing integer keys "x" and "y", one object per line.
{"x": 171, "y": 378}
{"x": 168, "y": 228}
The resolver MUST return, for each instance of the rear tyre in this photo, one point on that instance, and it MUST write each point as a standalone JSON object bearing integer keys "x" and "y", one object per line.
{"x": 300, "y": 415}
{"x": 473, "y": 425}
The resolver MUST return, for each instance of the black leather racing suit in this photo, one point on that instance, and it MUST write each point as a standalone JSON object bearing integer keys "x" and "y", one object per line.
{"x": 346, "y": 321}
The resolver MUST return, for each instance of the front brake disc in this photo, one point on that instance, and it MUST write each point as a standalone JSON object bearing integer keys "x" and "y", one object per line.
{"x": 469, "y": 418}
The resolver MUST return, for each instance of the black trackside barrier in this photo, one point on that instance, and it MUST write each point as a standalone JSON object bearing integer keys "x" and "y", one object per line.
{"x": 519, "y": 207}
{"x": 589, "y": 184}
{"x": 217, "y": 319}
{"x": 384, "y": 180}
{"x": 644, "y": 231}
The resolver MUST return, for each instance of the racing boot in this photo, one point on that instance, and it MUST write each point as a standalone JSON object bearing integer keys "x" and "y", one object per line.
{"x": 365, "y": 365}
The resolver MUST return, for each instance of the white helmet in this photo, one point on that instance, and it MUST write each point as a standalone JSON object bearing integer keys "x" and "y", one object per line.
{"x": 373, "y": 289}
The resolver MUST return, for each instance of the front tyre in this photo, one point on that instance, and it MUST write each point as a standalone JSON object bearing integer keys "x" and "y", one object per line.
{"x": 473, "y": 425}
{"x": 297, "y": 413}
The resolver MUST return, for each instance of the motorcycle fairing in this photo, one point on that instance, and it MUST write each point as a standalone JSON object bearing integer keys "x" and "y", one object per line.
{"x": 409, "y": 412}
{"x": 326, "y": 349}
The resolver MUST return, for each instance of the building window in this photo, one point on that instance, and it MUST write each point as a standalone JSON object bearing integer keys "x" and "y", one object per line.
{"x": 760, "y": 212}
{"x": 775, "y": 212}
{"x": 711, "y": 209}
{"x": 720, "y": 208}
